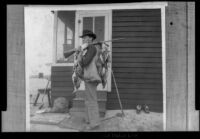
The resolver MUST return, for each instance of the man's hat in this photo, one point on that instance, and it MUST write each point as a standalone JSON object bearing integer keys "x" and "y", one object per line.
{"x": 88, "y": 33}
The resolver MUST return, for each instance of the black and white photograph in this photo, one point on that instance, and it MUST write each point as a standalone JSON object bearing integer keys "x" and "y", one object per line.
{"x": 117, "y": 67}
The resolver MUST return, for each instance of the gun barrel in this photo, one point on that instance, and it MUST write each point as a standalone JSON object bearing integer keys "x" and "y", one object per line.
{"x": 69, "y": 53}
{"x": 108, "y": 40}
{"x": 72, "y": 51}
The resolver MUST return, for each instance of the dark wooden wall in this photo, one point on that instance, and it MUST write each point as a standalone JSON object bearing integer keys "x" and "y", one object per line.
{"x": 61, "y": 81}
{"x": 137, "y": 60}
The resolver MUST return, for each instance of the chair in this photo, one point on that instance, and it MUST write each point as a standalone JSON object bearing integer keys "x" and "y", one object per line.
{"x": 44, "y": 91}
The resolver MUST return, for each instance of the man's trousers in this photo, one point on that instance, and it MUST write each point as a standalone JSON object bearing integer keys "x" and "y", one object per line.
{"x": 91, "y": 104}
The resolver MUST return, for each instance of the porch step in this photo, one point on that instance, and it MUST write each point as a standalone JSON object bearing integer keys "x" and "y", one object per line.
{"x": 100, "y": 94}
{"x": 80, "y": 112}
{"x": 78, "y": 108}
{"x": 80, "y": 103}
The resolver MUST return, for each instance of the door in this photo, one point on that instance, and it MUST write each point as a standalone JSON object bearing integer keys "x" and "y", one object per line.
{"x": 100, "y": 23}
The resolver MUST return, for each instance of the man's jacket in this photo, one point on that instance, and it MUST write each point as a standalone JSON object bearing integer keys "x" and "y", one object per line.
{"x": 92, "y": 67}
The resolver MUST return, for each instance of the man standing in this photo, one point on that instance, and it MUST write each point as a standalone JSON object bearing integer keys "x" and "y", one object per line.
{"x": 89, "y": 63}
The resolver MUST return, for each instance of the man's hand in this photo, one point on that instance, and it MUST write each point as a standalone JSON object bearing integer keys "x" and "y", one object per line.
{"x": 78, "y": 49}
{"x": 83, "y": 46}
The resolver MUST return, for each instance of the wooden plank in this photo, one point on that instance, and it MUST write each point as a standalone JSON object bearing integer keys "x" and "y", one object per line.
{"x": 142, "y": 90}
{"x": 57, "y": 74}
{"x": 139, "y": 40}
{"x": 117, "y": 19}
{"x": 61, "y": 84}
{"x": 136, "y": 10}
{"x": 137, "y": 64}
{"x": 60, "y": 92}
{"x": 137, "y": 86}
{"x": 62, "y": 89}
{"x": 82, "y": 109}
{"x": 81, "y": 104}
{"x": 193, "y": 115}
{"x": 139, "y": 81}
{"x": 65, "y": 94}
{"x": 138, "y": 76}
{"x": 137, "y": 54}
{"x": 61, "y": 79}
{"x": 132, "y": 104}
{"x": 136, "y": 95}
{"x": 138, "y": 70}
{"x": 141, "y": 101}
{"x": 139, "y": 29}
{"x": 136, "y": 14}
{"x": 134, "y": 44}
{"x": 126, "y": 50}
{"x": 137, "y": 23}
{"x": 115, "y": 106}
{"x": 100, "y": 94}
{"x": 14, "y": 118}
{"x": 149, "y": 60}
{"x": 62, "y": 68}
{"x": 117, "y": 34}
{"x": 146, "y": 81}
{"x": 176, "y": 83}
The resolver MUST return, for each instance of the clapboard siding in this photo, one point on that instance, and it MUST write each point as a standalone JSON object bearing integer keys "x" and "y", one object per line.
{"x": 132, "y": 49}
{"x": 139, "y": 70}
{"x": 138, "y": 23}
{"x": 136, "y": 19}
{"x": 136, "y": 34}
{"x": 132, "y": 80}
{"x": 139, "y": 39}
{"x": 137, "y": 60}
{"x": 141, "y": 59}
{"x": 139, "y": 85}
{"x": 153, "y": 107}
{"x": 61, "y": 81}
{"x": 136, "y": 54}
{"x": 118, "y": 64}
{"x": 136, "y": 28}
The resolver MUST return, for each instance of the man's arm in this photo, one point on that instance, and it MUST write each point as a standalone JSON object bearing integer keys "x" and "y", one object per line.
{"x": 91, "y": 52}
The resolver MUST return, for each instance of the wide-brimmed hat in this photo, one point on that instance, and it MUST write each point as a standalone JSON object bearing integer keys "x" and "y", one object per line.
{"x": 88, "y": 33}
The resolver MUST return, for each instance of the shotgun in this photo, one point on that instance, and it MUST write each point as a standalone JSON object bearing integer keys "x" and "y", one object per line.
{"x": 72, "y": 51}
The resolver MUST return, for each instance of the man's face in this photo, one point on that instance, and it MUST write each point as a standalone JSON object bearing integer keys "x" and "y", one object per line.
{"x": 87, "y": 39}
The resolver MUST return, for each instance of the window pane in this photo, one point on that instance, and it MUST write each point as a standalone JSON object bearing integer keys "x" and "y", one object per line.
{"x": 99, "y": 27}
{"x": 88, "y": 23}
{"x": 65, "y": 35}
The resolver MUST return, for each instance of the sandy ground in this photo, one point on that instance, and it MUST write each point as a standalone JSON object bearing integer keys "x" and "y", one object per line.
{"x": 131, "y": 122}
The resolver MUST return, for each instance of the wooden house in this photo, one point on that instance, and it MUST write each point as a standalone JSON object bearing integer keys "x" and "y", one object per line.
{"x": 136, "y": 60}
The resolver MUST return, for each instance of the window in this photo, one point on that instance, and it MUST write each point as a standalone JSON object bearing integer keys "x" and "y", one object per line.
{"x": 65, "y": 35}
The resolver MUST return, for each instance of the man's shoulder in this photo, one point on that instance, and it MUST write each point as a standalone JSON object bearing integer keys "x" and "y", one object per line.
{"x": 92, "y": 46}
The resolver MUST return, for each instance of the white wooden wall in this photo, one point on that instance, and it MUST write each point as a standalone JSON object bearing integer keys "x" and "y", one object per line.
{"x": 180, "y": 113}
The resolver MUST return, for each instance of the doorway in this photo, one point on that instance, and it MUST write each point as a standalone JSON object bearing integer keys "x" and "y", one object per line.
{"x": 98, "y": 22}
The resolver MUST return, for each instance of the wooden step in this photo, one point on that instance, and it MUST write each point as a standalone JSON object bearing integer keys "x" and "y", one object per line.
{"x": 83, "y": 109}
{"x": 79, "y": 103}
{"x": 80, "y": 112}
{"x": 100, "y": 94}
